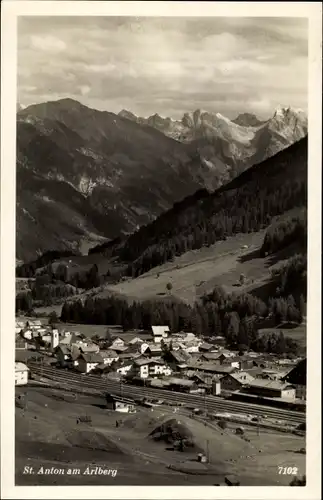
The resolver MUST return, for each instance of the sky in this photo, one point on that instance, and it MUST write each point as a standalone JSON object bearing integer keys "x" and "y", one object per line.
{"x": 165, "y": 65}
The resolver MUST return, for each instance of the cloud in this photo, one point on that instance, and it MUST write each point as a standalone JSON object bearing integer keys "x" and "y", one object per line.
{"x": 164, "y": 65}
{"x": 84, "y": 89}
{"x": 47, "y": 43}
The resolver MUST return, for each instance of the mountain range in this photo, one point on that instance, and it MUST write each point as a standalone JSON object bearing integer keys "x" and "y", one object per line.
{"x": 84, "y": 176}
{"x": 230, "y": 146}
{"x": 247, "y": 204}
{"x": 193, "y": 125}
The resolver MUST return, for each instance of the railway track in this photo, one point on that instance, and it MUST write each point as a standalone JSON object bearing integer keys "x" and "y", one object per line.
{"x": 209, "y": 403}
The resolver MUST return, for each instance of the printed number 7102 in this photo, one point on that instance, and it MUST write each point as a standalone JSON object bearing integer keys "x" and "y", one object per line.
{"x": 291, "y": 471}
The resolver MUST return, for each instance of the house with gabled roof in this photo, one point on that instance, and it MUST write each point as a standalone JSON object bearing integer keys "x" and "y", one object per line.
{"x": 143, "y": 347}
{"x": 120, "y": 404}
{"x": 153, "y": 350}
{"x": 117, "y": 342}
{"x": 185, "y": 337}
{"x": 235, "y": 381}
{"x": 34, "y": 323}
{"x": 109, "y": 356}
{"x": 87, "y": 362}
{"x": 191, "y": 346}
{"x": 120, "y": 343}
{"x": 160, "y": 332}
{"x": 71, "y": 338}
{"x": 88, "y": 347}
{"x": 218, "y": 357}
{"x": 227, "y": 353}
{"x": 67, "y": 355}
{"x": 271, "y": 389}
{"x": 182, "y": 385}
{"x": 119, "y": 350}
{"x": 21, "y": 373}
{"x": 206, "y": 347}
{"x": 177, "y": 359}
{"x": 297, "y": 377}
{"x": 210, "y": 383}
{"x": 209, "y": 367}
{"x": 235, "y": 362}
{"x": 63, "y": 354}
{"x": 136, "y": 340}
{"x": 144, "y": 368}
{"x": 125, "y": 367}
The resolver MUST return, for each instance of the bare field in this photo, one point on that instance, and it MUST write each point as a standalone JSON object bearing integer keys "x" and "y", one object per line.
{"x": 271, "y": 450}
{"x": 87, "y": 330}
{"x": 47, "y": 435}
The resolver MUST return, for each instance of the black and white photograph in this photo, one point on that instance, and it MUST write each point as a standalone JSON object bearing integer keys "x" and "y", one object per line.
{"x": 161, "y": 250}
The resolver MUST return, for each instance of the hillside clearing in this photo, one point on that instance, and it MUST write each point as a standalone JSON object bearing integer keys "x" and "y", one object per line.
{"x": 198, "y": 272}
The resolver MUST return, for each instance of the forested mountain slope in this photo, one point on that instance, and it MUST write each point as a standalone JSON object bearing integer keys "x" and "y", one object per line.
{"x": 84, "y": 174}
{"x": 247, "y": 204}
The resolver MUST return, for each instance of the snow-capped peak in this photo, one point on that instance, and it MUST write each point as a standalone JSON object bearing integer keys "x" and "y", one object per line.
{"x": 282, "y": 112}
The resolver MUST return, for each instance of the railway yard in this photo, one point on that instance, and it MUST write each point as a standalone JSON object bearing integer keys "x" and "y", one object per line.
{"x": 208, "y": 403}
{"x": 50, "y": 433}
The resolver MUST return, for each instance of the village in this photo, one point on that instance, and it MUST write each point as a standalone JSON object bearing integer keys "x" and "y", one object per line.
{"x": 178, "y": 404}
{"x": 161, "y": 359}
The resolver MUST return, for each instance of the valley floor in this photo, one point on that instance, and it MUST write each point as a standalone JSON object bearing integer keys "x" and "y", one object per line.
{"x": 198, "y": 272}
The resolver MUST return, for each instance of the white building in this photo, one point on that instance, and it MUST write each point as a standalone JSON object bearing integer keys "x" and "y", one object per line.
{"x": 190, "y": 347}
{"x": 87, "y": 362}
{"x": 120, "y": 404}
{"x": 271, "y": 389}
{"x": 135, "y": 340}
{"x": 117, "y": 343}
{"x": 87, "y": 347}
{"x": 145, "y": 368}
{"x": 109, "y": 356}
{"x": 34, "y": 324}
{"x": 125, "y": 368}
{"x": 153, "y": 350}
{"x": 160, "y": 333}
{"x": 54, "y": 338}
{"x": 157, "y": 368}
{"x": 186, "y": 337}
{"x": 143, "y": 347}
{"x": 21, "y": 373}
{"x": 28, "y": 334}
